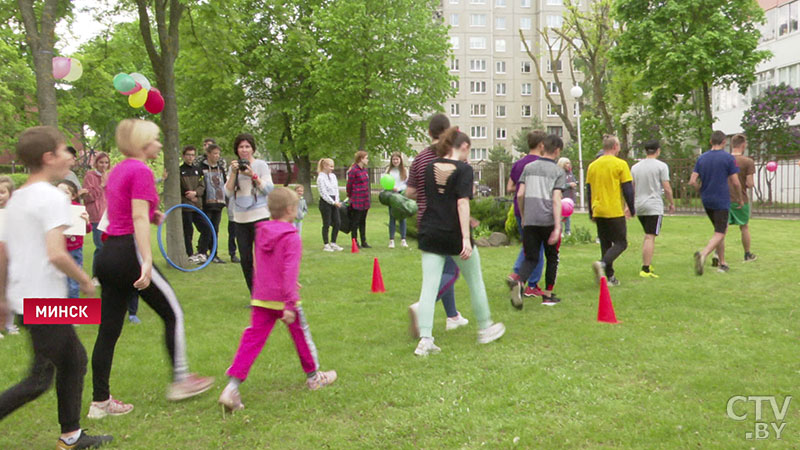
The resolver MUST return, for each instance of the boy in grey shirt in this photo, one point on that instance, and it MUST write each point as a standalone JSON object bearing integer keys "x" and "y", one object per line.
{"x": 539, "y": 199}
{"x": 649, "y": 177}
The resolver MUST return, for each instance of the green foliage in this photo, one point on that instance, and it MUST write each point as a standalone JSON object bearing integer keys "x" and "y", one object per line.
{"x": 579, "y": 235}
{"x": 510, "y": 228}
{"x": 17, "y": 80}
{"x": 766, "y": 123}
{"x": 520, "y": 140}
{"x": 19, "y": 178}
{"x": 490, "y": 212}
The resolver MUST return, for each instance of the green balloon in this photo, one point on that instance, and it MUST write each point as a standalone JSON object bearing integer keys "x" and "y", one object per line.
{"x": 124, "y": 83}
{"x": 387, "y": 182}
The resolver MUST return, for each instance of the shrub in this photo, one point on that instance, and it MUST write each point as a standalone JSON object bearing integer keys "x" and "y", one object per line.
{"x": 580, "y": 235}
{"x": 19, "y": 178}
{"x": 491, "y": 213}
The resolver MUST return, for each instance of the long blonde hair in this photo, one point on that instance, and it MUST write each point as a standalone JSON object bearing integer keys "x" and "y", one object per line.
{"x": 322, "y": 162}
{"x": 401, "y": 167}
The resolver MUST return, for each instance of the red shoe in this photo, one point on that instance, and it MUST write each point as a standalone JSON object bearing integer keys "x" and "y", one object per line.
{"x": 533, "y": 291}
{"x": 512, "y": 280}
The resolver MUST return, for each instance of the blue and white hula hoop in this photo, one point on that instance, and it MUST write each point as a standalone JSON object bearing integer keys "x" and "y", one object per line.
{"x": 213, "y": 234}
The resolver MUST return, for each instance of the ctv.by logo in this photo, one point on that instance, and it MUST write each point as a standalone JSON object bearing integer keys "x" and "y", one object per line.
{"x": 762, "y": 429}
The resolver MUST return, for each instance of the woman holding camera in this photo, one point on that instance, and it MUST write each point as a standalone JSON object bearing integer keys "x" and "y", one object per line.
{"x": 249, "y": 183}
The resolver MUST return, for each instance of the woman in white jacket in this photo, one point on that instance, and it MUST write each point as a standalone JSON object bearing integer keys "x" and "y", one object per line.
{"x": 328, "y": 187}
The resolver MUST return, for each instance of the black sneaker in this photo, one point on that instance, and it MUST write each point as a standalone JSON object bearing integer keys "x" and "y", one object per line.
{"x": 613, "y": 281}
{"x": 85, "y": 441}
{"x": 217, "y": 260}
{"x": 550, "y": 301}
{"x": 234, "y": 259}
{"x": 715, "y": 261}
{"x": 723, "y": 268}
{"x": 365, "y": 245}
{"x": 750, "y": 257}
{"x": 516, "y": 296}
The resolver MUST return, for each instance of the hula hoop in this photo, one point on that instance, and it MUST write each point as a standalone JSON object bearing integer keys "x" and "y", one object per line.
{"x": 214, "y": 235}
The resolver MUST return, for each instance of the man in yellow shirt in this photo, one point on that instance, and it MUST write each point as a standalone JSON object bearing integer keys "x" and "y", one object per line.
{"x": 608, "y": 179}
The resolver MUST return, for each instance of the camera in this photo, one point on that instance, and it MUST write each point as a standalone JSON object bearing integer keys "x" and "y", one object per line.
{"x": 244, "y": 164}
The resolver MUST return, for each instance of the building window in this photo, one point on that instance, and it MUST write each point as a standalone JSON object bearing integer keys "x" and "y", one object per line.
{"x": 454, "y": 42}
{"x": 477, "y": 43}
{"x": 454, "y": 20}
{"x": 477, "y": 110}
{"x": 454, "y": 85}
{"x": 477, "y": 132}
{"x": 558, "y": 131}
{"x": 550, "y": 65}
{"x": 500, "y": 89}
{"x": 555, "y": 2}
{"x": 500, "y": 3}
{"x": 453, "y": 2}
{"x": 525, "y": 3}
{"x": 500, "y": 23}
{"x": 500, "y": 67}
{"x": 526, "y": 110}
{"x": 526, "y": 89}
{"x": 526, "y": 66}
{"x": 477, "y": 87}
{"x": 501, "y": 111}
{"x": 553, "y": 110}
{"x": 477, "y": 153}
{"x": 501, "y": 133}
{"x": 477, "y": 65}
{"x": 500, "y": 45}
{"x": 554, "y": 21}
{"x": 477, "y": 20}
{"x": 522, "y": 45}
{"x": 552, "y": 87}
{"x": 477, "y": 2}
{"x": 575, "y": 109}
{"x": 455, "y": 111}
{"x": 525, "y": 23}
{"x": 453, "y": 64}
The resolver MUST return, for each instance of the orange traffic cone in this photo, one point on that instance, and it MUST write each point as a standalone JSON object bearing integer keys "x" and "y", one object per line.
{"x": 377, "y": 278}
{"x": 605, "y": 310}
{"x": 354, "y": 247}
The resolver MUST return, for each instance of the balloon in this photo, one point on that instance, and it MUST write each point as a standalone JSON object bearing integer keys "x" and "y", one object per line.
{"x": 387, "y": 182}
{"x": 772, "y": 166}
{"x": 60, "y": 67}
{"x": 567, "y": 207}
{"x": 155, "y": 102}
{"x": 75, "y": 70}
{"x": 137, "y": 100}
{"x": 141, "y": 79}
{"x": 137, "y": 87}
{"x": 123, "y": 83}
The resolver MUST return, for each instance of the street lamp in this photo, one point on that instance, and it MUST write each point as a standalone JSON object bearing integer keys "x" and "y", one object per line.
{"x": 576, "y": 93}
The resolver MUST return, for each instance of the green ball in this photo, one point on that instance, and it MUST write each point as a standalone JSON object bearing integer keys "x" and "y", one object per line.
{"x": 387, "y": 182}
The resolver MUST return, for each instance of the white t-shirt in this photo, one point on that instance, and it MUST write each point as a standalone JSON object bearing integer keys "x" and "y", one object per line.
{"x": 30, "y": 213}
{"x": 399, "y": 183}
{"x": 648, "y": 178}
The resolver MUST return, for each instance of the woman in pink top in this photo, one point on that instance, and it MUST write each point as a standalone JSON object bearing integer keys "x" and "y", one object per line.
{"x": 95, "y": 200}
{"x": 126, "y": 265}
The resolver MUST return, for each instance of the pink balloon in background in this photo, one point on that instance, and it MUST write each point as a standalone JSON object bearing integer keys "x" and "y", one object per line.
{"x": 61, "y": 66}
{"x": 155, "y": 102}
{"x": 136, "y": 88}
{"x": 567, "y": 207}
{"x": 772, "y": 166}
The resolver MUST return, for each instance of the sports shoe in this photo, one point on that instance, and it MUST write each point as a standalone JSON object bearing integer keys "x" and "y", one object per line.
{"x": 550, "y": 301}
{"x": 85, "y": 441}
{"x": 413, "y": 323}
{"x": 235, "y": 259}
{"x": 454, "y": 322}
{"x": 723, "y": 268}
{"x": 403, "y": 243}
{"x": 391, "y": 243}
{"x": 650, "y": 274}
{"x": 321, "y": 379}
{"x": 231, "y": 399}
{"x": 327, "y": 248}
{"x": 134, "y": 320}
{"x": 749, "y": 257}
{"x": 365, "y": 245}
{"x": 599, "y": 268}
{"x": 95, "y": 282}
{"x": 201, "y": 258}
{"x": 532, "y": 292}
{"x": 426, "y": 347}
{"x": 494, "y": 332}
{"x": 516, "y": 296}
{"x": 110, "y": 407}
{"x": 189, "y": 387}
{"x": 512, "y": 280}
{"x": 336, "y": 246}
{"x": 699, "y": 262}
{"x": 714, "y": 262}
{"x": 217, "y": 260}
{"x": 613, "y": 281}
{"x": 193, "y": 259}
{"x": 12, "y": 329}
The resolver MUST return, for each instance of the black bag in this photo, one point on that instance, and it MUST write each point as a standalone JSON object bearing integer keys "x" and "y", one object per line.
{"x": 344, "y": 217}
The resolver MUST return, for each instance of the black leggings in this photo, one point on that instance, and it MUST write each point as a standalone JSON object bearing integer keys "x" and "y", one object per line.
{"x": 191, "y": 219}
{"x": 245, "y": 236}
{"x": 330, "y": 216}
{"x": 533, "y": 238}
{"x": 118, "y": 268}
{"x": 231, "y": 237}
{"x": 206, "y": 238}
{"x": 56, "y": 351}
{"x": 613, "y": 234}
{"x": 358, "y": 222}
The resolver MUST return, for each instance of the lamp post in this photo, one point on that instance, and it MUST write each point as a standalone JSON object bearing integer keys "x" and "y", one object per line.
{"x": 576, "y": 93}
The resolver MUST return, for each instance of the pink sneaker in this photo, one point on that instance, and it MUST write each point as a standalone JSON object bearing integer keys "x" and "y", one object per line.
{"x": 190, "y": 386}
{"x": 321, "y": 379}
{"x": 110, "y": 407}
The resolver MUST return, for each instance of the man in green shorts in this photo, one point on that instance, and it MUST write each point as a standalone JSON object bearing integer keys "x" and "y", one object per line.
{"x": 741, "y": 217}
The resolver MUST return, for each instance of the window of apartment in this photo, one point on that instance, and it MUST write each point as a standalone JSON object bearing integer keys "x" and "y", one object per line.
{"x": 576, "y": 109}
{"x": 500, "y": 67}
{"x": 558, "y": 131}
{"x": 501, "y": 133}
{"x": 526, "y": 110}
{"x": 763, "y": 81}
{"x": 554, "y": 21}
{"x": 477, "y": 87}
{"x": 453, "y": 2}
{"x": 500, "y": 23}
{"x": 500, "y": 89}
{"x": 790, "y": 75}
{"x": 501, "y": 111}
{"x": 455, "y": 111}
{"x": 454, "y": 20}
{"x": 454, "y": 85}
{"x": 477, "y": 132}
{"x": 552, "y": 87}
{"x": 526, "y": 67}
{"x": 500, "y": 3}
{"x": 454, "y": 42}
{"x": 768, "y": 27}
{"x": 477, "y": 2}
{"x": 500, "y": 45}
{"x": 553, "y": 110}
{"x": 522, "y": 45}
{"x": 526, "y": 89}
{"x": 477, "y": 20}
{"x": 477, "y": 65}
{"x": 788, "y": 18}
{"x": 557, "y": 65}
{"x": 525, "y": 23}
{"x": 453, "y": 64}
{"x": 555, "y": 2}
{"x": 477, "y": 110}
{"x": 478, "y": 153}
{"x": 525, "y": 3}
{"x": 477, "y": 43}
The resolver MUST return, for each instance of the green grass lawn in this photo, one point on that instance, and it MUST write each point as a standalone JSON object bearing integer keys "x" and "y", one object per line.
{"x": 557, "y": 379}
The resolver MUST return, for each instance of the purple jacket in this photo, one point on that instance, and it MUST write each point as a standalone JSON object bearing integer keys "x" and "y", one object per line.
{"x": 358, "y": 187}
{"x": 278, "y": 251}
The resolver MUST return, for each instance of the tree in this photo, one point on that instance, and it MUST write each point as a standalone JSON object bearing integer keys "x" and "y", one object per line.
{"x": 682, "y": 48}
{"x": 17, "y": 82}
{"x": 520, "y": 140}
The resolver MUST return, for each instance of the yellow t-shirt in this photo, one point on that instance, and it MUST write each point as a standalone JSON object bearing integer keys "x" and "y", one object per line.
{"x": 605, "y": 176}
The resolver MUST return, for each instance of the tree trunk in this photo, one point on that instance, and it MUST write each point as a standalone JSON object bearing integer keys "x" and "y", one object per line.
{"x": 708, "y": 116}
{"x": 304, "y": 176}
{"x": 362, "y": 140}
{"x": 40, "y": 36}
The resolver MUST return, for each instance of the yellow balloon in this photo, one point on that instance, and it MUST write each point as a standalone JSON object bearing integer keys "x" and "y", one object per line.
{"x": 75, "y": 70}
{"x": 138, "y": 98}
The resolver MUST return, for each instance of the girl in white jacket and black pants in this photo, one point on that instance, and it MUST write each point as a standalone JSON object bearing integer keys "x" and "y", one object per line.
{"x": 328, "y": 187}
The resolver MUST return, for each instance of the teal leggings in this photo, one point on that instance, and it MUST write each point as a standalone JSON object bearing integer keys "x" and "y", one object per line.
{"x": 432, "y": 266}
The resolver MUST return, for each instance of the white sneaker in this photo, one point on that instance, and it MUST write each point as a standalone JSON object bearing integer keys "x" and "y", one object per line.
{"x": 110, "y": 407}
{"x": 95, "y": 282}
{"x": 201, "y": 258}
{"x": 327, "y": 248}
{"x": 413, "y": 324}
{"x": 336, "y": 247}
{"x": 391, "y": 243}
{"x": 12, "y": 329}
{"x": 454, "y": 322}
{"x": 193, "y": 259}
{"x": 231, "y": 399}
{"x": 403, "y": 243}
{"x": 426, "y": 347}
{"x": 494, "y": 332}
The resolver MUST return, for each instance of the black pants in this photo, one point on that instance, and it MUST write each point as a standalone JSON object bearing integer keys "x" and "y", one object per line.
{"x": 358, "y": 222}
{"x": 613, "y": 234}
{"x": 533, "y": 238}
{"x": 231, "y": 237}
{"x": 56, "y": 351}
{"x": 118, "y": 268}
{"x": 245, "y": 236}
{"x": 330, "y": 216}
{"x": 206, "y": 238}
{"x": 191, "y": 218}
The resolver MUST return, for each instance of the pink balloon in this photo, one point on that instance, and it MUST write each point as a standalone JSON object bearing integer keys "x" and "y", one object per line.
{"x": 155, "y": 102}
{"x": 772, "y": 166}
{"x": 61, "y": 66}
{"x": 136, "y": 89}
{"x": 567, "y": 207}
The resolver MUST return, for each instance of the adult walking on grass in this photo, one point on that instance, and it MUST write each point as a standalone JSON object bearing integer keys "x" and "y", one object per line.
{"x": 359, "y": 193}
{"x": 569, "y": 191}
{"x": 445, "y": 231}
{"x": 328, "y": 189}
{"x": 741, "y": 215}
{"x": 398, "y": 171}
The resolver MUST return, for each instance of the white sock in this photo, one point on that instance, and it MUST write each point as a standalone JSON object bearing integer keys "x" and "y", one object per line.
{"x": 233, "y": 383}
{"x": 72, "y": 439}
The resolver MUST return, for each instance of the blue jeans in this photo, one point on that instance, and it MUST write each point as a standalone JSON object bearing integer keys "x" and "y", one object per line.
{"x": 73, "y": 288}
{"x": 536, "y": 275}
{"x": 392, "y": 226}
{"x": 447, "y": 292}
{"x": 567, "y": 225}
{"x": 98, "y": 244}
{"x": 298, "y": 224}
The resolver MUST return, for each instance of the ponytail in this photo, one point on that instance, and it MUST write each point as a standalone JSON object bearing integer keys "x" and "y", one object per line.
{"x": 450, "y": 139}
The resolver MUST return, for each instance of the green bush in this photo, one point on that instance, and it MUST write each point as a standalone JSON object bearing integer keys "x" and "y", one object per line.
{"x": 490, "y": 212}
{"x": 580, "y": 235}
{"x": 511, "y": 224}
{"x": 19, "y": 178}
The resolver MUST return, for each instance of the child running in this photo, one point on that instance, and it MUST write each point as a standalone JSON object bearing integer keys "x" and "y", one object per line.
{"x": 275, "y": 297}
{"x": 6, "y": 189}
{"x": 34, "y": 263}
{"x": 74, "y": 242}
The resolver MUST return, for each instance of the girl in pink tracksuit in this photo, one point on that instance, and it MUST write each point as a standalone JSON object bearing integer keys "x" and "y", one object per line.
{"x": 275, "y": 297}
